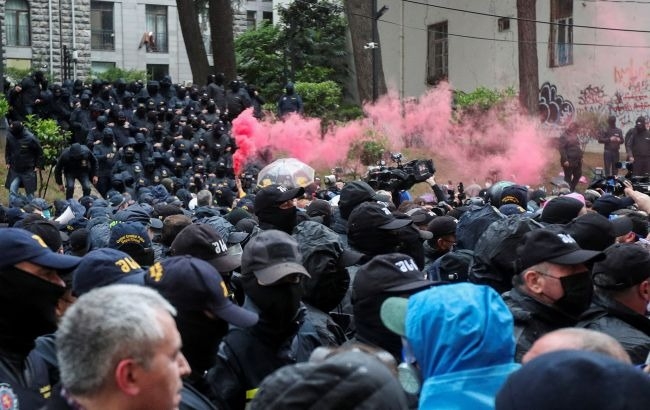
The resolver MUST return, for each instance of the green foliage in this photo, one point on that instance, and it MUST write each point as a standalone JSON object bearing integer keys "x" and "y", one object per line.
{"x": 320, "y": 99}
{"x": 369, "y": 150}
{"x": 482, "y": 98}
{"x": 15, "y": 75}
{"x": 52, "y": 138}
{"x": 259, "y": 59}
{"x": 314, "y": 36}
{"x": 115, "y": 73}
{"x": 309, "y": 46}
{"x": 4, "y": 106}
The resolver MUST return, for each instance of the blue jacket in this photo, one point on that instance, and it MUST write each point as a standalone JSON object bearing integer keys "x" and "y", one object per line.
{"x": 462, "y": 338}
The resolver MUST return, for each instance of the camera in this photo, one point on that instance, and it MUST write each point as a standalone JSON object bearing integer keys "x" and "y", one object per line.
{"x": 329, "y": 179}
{"x": 401, "y": 176}
{"x": 624, "y": 165}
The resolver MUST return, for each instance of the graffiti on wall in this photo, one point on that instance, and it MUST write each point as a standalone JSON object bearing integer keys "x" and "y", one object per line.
{"x": 630, "y": 99}
{"x": 553, "y": 108}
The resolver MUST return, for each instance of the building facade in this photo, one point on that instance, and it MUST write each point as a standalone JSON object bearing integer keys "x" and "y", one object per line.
{"x": 592, "y": 55}
{"x": 95, "y": 35}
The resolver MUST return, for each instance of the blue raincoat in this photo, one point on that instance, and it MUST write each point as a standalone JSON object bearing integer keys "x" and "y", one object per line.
{"x": 462, "y": 338}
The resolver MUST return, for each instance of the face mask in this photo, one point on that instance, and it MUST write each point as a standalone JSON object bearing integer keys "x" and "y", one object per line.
{"x": 578, "y": 290}
{"x": 282, "y": 219}
{"x": 278, "y": 304}
{"x": 33, "y": 301}
{"x": 46, "y": 214}
{"x": 201, "y": 337}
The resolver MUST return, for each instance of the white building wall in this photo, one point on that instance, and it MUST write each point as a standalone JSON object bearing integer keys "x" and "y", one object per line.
{"x": 605, "y": 80}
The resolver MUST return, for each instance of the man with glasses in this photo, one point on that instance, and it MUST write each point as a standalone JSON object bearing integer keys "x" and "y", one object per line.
{"x": 553, "y": 287}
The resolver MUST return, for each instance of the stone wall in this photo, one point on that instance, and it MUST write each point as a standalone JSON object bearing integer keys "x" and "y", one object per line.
{"x": 61, "y": 34}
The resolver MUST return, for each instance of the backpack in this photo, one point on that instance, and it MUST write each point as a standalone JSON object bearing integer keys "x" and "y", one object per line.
{"x": 473, "y": 223}
{"x": 495, "y": 253}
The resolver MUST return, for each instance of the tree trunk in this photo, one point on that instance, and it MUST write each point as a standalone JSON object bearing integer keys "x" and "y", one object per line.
{"x": 193, "y": 39}
{"x": 528, "y": 65}
{"x": 360, "y": 17}
{"x": 223, "y": 41}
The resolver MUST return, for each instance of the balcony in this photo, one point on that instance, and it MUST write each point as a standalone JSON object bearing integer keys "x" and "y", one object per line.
{"x": 102, "y": 40}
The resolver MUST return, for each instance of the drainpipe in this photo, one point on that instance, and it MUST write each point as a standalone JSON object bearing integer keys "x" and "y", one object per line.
{"x": 49, "y": 16}
{"x": 74, "y": 42}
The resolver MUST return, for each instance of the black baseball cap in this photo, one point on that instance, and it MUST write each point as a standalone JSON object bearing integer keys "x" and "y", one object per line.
{"x": 554, "y": 246}
{"x": 625, "y": 265}
{"x": 274, "y": 195}
{"x": 393, "y": 272}
{"x": 272, "y": 255}
{"x": 372, "y": 214}
{"x": 355, "y": 193}
{"x": 204, "y": 242}
{"x": 193, "y": 284}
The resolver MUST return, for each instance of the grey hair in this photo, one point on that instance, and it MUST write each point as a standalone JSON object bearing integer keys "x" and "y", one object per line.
{"x": 204, "y": 198}
{"x": 104, "y": 326}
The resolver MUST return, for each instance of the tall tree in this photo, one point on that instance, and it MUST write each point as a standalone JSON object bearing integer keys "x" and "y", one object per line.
{"x": 361, "y": 16}
{"x": 528, "y": 64}
{"x": 188, "y": 18}
{"x": 222, "y": 38}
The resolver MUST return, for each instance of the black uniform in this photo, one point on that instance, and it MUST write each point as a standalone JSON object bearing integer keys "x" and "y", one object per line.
{"x": 23, "y": 154}
{"x": 76, "y": 162}
{"x": 533, "y": 320}
{"x": 631, "y": 329}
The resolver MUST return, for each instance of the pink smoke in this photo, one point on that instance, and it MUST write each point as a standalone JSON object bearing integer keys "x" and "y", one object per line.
{"x": 484, "y": 144}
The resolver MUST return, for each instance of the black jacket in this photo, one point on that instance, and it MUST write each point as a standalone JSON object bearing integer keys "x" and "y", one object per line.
{"x": 631, "y": 329}
{"x": 533, "y": 320}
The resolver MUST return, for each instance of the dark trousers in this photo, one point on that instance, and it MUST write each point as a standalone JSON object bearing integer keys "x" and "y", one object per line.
{"x": 572, "y": 174}
{"x": 610, "y": 158}
{"x": 84, "y": 180}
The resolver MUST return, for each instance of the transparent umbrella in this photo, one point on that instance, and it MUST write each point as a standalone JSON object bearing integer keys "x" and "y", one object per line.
{"x": 288, "y": 172}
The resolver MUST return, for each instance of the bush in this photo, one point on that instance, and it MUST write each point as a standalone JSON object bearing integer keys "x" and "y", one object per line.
{"x": 482, "y": 98}
{"x": 369, "y": 150}
{"x": 4, "y": 106}
{"x": 52, "y": 138}
{"x": 320, "y": 99}
{"x": 116, "y": 73}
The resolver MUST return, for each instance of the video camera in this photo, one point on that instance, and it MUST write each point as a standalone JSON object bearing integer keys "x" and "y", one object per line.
{"x": 401, "y": 176}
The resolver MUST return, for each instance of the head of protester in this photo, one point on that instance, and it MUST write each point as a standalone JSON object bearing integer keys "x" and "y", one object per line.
{"x": 458, "y": 334}
{"x": 374, "y": 230}
{"x": 553, "y": 286}
{"x": 103, "y": 267}
{"x": 204, "y": 307}
{"x": 350, "y": 379}
{"x": 575, "y": 338}
{"x": 621, "y": 298}
{"x": 132, "y": 361}
{"x": 597, "y": 382}
{"x": 383, "y": 276}
{"x": 275, "y": 207}
{"x": 132, "y": 238}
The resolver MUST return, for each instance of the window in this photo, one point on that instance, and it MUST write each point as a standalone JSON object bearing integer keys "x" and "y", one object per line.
{"x": 437, "y": 53}
{"x": 157, "y": 71}
{"x": 17, "y": 23}
{"x": 157, "y": 24}
{"x": 560, "y": 43}
{"x": 267, "y": 16}
{"x": 98, "y": 67}
{"x": 102, "y": 36}
{"x": 504, "y": 24}
{"x": 250, "y": 19}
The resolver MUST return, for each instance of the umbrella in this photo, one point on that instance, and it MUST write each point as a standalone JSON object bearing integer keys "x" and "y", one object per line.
{"x": 286, "y": 171}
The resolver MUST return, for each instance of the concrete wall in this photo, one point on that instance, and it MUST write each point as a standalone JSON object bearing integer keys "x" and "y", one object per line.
{"x": 602, "y": 80}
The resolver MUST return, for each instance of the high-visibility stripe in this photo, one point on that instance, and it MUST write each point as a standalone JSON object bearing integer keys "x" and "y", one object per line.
{"x": 250, "y": 394}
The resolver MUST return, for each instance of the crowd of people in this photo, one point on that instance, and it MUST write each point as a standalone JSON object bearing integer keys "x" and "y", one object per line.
{"x": 182, "y": 285}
